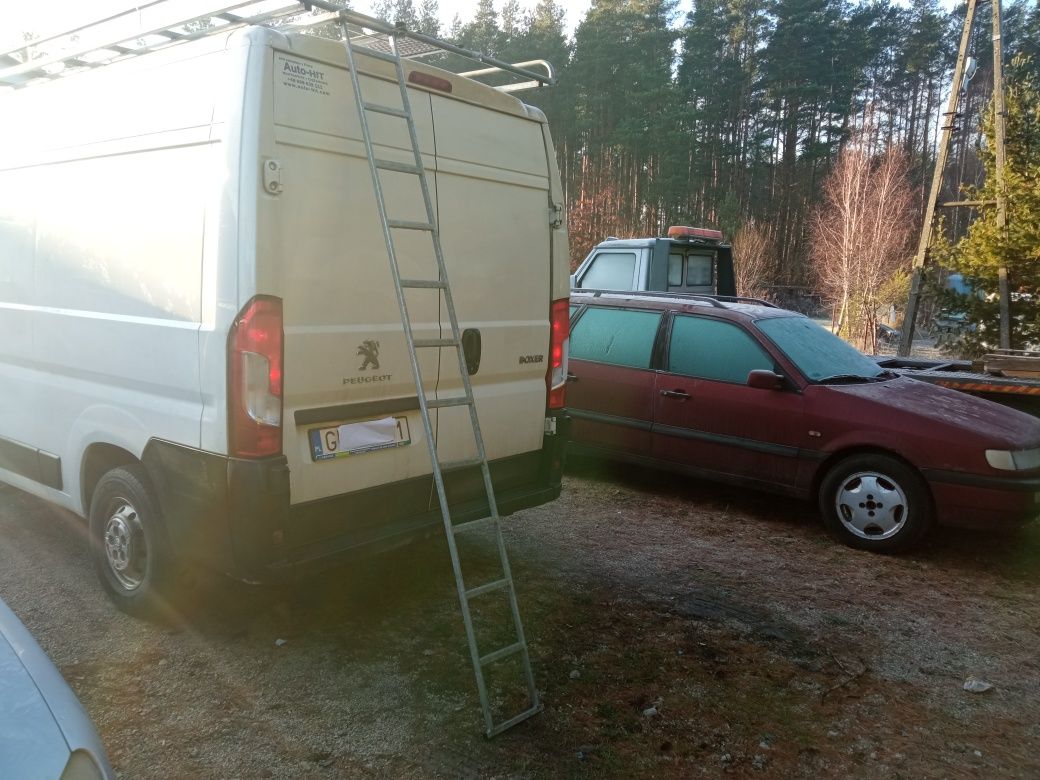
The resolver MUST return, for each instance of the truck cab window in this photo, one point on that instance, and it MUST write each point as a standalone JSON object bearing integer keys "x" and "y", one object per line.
{"x": 611, "y": 271}
{"x": 675, "y": 270}
{"x": 698, "y": 271}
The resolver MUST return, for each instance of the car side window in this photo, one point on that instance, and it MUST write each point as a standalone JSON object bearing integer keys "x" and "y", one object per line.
{"x": 620, "y": 337}
{"x": 611, "y": 271}
{"x": 712, "y": 349}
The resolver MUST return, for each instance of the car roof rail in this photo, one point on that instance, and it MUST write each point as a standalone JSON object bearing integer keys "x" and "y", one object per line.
{"x": 745, "y": 299}
{"x": 717, "y": 301}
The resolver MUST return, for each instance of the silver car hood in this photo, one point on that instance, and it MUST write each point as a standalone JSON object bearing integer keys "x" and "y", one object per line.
{"x": 41, "y": 720}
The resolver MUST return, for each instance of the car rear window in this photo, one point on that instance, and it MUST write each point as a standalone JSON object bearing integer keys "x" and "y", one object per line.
{"x": 712, "y": 349}
{"x": 621, "y": 337}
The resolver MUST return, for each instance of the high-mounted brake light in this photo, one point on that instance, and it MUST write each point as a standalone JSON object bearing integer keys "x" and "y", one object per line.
{"x": 681, "y": 231}
{"x": 559, "y": 340}
{"x": 255, "y": 379}
{"x": 428, "y": 80}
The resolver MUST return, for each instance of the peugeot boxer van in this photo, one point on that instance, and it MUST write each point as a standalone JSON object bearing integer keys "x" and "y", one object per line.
{"x": 199, "y": 322}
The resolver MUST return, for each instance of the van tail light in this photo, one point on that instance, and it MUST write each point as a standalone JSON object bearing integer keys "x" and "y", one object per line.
{"x": 255, "y": 379}
{"x": 559, "y": 340}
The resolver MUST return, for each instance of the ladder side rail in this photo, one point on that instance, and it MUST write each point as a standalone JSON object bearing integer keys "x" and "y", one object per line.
{"x": 378, "y": 25}
{"x": 416, "y": 373}
{"x": 475, "y": 423}
{"x": 442, "y": 274}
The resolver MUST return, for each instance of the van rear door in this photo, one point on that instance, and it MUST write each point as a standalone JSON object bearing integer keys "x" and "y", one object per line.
{"x": 321, "y": 250}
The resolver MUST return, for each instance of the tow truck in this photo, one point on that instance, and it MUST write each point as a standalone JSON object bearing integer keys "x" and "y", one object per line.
{"x": 1007, "y": 376}
{"x": 688, "y": 260}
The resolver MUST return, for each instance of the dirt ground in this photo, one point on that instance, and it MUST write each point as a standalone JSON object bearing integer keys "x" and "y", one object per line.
{"x": 677, "y": 629}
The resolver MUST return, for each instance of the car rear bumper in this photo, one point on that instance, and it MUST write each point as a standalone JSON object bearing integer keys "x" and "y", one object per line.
{"x": 236, "y": 515}
{"x": 979, "y": 501}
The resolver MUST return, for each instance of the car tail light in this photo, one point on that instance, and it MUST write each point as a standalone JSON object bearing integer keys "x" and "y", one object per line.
{"x": 559, "y": 338}
{"x": 255, "y": 379}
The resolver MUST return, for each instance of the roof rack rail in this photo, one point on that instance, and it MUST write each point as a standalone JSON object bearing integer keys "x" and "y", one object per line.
{"x": 160, "y": 24}
{"x": 718, "y": 301}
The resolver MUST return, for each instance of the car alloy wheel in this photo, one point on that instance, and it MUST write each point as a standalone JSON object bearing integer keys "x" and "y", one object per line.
{"x": 871, "y": 505}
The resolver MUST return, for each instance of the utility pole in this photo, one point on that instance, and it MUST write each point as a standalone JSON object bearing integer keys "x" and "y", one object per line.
{"x": 906, "y": 336}
{"x": 999, "y": 124}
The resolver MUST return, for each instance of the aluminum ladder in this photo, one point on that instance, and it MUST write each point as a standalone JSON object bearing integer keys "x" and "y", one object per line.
{"x": 440, "y": 283}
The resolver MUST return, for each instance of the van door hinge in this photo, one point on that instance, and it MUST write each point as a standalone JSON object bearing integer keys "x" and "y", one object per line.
{"x": 556, "y": 215}
{"x": 273, "y": 176}
{"x": 550, "y": 426}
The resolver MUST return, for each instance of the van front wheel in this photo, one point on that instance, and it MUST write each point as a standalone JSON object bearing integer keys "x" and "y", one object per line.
{"x": 130, "y": 550}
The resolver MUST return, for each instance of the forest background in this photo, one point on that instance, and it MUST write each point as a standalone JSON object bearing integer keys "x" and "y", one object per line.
{"x": 735, "y": 113}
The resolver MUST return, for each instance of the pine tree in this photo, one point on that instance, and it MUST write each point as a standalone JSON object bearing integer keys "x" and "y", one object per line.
{"x": 980, "y": 254}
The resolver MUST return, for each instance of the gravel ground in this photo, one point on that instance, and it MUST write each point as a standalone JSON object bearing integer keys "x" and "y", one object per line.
{"x": 677, "y": 629}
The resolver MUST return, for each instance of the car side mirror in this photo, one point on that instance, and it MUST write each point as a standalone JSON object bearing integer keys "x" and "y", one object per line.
{"x": 762, "y": 379}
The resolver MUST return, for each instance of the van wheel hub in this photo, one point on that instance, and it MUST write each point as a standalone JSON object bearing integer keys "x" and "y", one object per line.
{"x": 125, "y": 546}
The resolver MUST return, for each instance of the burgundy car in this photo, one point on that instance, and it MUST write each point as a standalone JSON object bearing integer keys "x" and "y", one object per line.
{"x": 747, "y": 393}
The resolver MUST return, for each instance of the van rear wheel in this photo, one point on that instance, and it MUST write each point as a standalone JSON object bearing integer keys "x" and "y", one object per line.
{"x": 129, "y": 546}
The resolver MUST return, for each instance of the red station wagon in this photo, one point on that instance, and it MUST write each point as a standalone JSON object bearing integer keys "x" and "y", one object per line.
{"x": 747, "y": 393}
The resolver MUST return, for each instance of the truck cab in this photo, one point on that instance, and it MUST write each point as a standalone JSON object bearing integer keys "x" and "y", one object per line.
{"x": 688, "y": 260}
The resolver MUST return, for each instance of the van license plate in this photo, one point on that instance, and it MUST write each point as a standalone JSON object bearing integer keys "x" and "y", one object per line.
{"x": 340, "y": 441}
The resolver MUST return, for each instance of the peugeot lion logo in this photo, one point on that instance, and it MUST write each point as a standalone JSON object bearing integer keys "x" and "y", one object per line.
{"x": 370, "y": 349}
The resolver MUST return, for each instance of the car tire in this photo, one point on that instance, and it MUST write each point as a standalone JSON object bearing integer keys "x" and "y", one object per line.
{"x": 131, "y": 553}
{"x": 875, "y": 502}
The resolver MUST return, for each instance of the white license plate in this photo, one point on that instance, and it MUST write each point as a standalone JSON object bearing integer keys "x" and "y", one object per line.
{"x": 340, "y": 441}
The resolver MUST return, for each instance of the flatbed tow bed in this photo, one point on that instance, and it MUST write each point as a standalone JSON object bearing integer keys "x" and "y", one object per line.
{"x": 987, "y": 377}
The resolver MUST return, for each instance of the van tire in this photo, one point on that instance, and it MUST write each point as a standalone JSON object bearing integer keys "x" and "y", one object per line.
{"x": 131, "y": 553}
{"x": 877, "y": 503}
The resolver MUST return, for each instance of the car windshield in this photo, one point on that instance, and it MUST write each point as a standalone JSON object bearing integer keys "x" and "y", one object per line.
{"x": 818, "y": 353}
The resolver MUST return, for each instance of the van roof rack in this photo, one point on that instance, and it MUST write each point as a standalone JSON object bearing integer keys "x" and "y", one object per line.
{"x": 717, "y": 301}
{"x": 160, "y": 24}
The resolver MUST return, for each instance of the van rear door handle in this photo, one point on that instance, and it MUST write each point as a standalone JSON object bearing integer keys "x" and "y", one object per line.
{"x": 572, "y": 378}
{"x": 675, "y": 394}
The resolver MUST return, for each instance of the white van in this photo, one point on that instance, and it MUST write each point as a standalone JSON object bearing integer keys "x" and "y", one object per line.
{"x": 194, "y": 289}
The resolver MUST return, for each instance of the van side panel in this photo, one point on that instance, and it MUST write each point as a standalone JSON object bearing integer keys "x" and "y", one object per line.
{"x": 114, "y": 172}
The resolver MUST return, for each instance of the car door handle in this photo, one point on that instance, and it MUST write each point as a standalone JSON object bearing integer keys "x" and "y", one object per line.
{"x": 572, "y": 378}
{"x": 675, "y": 394}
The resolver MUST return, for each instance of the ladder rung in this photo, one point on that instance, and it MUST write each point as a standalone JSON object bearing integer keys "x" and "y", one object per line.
{"x": 488, "y": 588}
{"x": 404, "y": 224}
{"x": 508, "y": 724}
{"x": 440, "y": 403}
{"x": 388, "y": 110}
{"x": 472, "y": 525}
{"x": 453, "y": 465}
{"x": 390, "y": 165}
{"x": 423, "y": 283}
{"x": 500, "y": 654}
{"x": 379, "y": 55}
{"x": 435, "y": 343}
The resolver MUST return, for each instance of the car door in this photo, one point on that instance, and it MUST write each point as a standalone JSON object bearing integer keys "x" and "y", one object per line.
{"x": 610, "y": 393}
{"x": 708, "y": 418}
